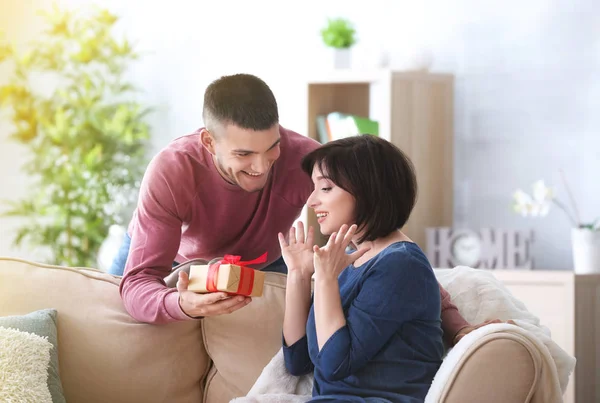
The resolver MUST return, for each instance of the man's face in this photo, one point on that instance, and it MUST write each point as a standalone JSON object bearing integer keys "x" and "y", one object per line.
{"x": 243, "y": 157}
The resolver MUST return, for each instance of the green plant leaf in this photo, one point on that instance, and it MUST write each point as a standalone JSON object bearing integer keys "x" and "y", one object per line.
{"x": 94, "y": 156}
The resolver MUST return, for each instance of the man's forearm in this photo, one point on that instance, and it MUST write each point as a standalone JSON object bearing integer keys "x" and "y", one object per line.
{"x": 148, "y": 300}
{"x": 452, "y": 323}
{"x": 452, "y": 320}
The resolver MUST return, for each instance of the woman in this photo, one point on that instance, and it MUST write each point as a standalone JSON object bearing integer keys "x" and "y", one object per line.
{"x": 372, "y": 330}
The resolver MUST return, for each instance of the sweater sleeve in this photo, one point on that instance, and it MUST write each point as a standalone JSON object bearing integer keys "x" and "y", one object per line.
{"x": 392, "y": 294}
{"x": 296, "y": 358}
{"x": 155, "y": 237}
{"x": 452, "y": 320}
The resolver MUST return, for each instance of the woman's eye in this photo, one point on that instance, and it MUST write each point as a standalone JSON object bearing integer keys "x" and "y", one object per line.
{"x": 326, "y": 189}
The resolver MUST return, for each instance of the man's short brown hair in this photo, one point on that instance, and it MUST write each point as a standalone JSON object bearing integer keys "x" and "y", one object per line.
{"x": 243, "y": 100}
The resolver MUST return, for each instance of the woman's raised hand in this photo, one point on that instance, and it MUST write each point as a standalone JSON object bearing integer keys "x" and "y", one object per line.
{"x": 297, "y": 251}
{"x": 331, "y": 259}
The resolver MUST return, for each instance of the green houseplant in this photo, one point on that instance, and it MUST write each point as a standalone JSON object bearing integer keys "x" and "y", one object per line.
{"x": 84, "y": 131}
{"x": 340, "y": 35}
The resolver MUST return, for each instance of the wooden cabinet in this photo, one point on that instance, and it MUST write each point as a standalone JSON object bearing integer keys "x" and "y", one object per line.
{"x": 569, "y": 305}
{"x": 415, "y": 112}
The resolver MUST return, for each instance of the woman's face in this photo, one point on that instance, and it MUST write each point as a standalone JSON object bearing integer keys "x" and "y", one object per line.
{"x": 332, "y": 204}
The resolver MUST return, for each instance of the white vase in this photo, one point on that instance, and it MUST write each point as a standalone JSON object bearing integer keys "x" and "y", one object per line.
{"x": 342, "y": 58}
{"x": 586, "y": 250}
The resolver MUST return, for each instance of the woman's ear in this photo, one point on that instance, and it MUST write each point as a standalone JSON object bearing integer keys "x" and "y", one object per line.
{"x": 208, "y": 141}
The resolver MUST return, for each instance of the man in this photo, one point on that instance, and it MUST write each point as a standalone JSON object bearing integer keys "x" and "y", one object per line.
{"x": 228, "y": 188}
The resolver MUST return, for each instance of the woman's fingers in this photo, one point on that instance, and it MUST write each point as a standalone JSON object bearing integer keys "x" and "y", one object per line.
{"x": 356, "y": 255}
{"x": 292, "y": 236}
{"x": 331, "y": 239}
{"x": 349, "y": 235}
{"x": 300, "y": 234}
{"x": 341, "y": 233}
{"x": 310, "y": 238}
{"x": 282, "y": 242}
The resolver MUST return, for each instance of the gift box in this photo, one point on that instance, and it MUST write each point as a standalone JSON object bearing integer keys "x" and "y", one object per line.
{"x": 230, "y": 275}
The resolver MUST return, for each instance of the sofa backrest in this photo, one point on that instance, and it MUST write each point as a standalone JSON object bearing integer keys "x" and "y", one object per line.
{"x": 105, "y": 355}
{"x": 242, "y": 344}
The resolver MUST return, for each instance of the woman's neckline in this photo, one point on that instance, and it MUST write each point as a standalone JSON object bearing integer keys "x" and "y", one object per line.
{"x": 380, "y": 252}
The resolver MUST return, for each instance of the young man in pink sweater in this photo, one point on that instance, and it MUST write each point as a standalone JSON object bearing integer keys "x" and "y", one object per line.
{"x": 228, "y": 188}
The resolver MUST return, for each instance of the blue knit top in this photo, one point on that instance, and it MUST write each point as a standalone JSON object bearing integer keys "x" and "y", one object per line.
{"x": 391, "y": 346}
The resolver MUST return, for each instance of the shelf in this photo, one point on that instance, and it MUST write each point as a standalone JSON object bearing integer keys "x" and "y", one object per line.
{"x": 415, "y": 112}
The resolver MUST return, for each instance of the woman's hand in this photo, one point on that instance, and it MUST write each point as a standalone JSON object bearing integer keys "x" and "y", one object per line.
{"x": 331, "y": 259}
{"x": 297, "y": 252}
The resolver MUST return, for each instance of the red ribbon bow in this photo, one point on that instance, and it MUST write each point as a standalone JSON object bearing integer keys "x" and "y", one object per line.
{"x": 237, "y": 260}
{"x": 246, "y": 282}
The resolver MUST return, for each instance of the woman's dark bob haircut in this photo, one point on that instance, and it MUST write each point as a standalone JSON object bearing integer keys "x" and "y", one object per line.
{"x": 379, "y": 176}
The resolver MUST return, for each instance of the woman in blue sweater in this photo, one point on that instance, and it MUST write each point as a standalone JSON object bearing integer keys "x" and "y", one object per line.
{"x": 371, "y": 330}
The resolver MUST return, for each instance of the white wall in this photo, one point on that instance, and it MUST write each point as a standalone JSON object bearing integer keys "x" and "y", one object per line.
{"x": 526, "y": 81}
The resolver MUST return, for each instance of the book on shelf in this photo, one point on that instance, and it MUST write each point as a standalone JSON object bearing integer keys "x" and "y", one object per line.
{"x": 337, "y": 125}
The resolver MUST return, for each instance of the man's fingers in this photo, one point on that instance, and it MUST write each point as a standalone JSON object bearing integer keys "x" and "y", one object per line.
{"x": 227, "y": 305}
{"x": 488, "y": 322}
{"x": 282, "y": 242}
{"x": 183, "y": 281}
{"x": 214, "y": 297}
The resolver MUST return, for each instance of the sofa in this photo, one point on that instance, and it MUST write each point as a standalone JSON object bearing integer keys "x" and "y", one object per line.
{"x": 106, "y": 356}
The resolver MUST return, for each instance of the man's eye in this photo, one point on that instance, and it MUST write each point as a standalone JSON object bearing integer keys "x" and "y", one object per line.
{"x": 242, "y": 154}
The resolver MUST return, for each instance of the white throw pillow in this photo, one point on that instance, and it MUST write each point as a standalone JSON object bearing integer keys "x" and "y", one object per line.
{"x": 24, "y": 361}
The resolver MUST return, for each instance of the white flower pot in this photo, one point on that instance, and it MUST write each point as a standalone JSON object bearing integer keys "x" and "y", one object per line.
{"x": 586, "y": 250}
{"x": 342, "y": 58}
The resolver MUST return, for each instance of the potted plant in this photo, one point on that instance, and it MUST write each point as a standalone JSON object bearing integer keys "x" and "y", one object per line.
{"x": 85, "y": 133}
{"x": 585, "y": 236}
{"x": 340, "y": 35}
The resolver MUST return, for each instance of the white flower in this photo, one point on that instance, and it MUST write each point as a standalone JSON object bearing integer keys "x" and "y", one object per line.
{"x": 522, "y": 203}
{"x": 536, "y": 206}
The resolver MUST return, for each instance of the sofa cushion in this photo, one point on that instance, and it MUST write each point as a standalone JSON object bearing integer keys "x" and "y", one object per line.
{"x": 104, "y": 354}
{"x": 242, "y": 343}
{"x": 43, "y": 324}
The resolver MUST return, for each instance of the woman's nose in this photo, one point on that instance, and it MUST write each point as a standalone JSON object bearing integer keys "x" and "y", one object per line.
{"x": 312, "y": 201}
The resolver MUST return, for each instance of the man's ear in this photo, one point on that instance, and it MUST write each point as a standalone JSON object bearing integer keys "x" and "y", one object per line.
{"x": 208, "y": 141}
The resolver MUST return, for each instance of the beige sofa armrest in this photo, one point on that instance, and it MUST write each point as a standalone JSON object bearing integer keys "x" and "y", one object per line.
{"x": 499, "y": 368}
